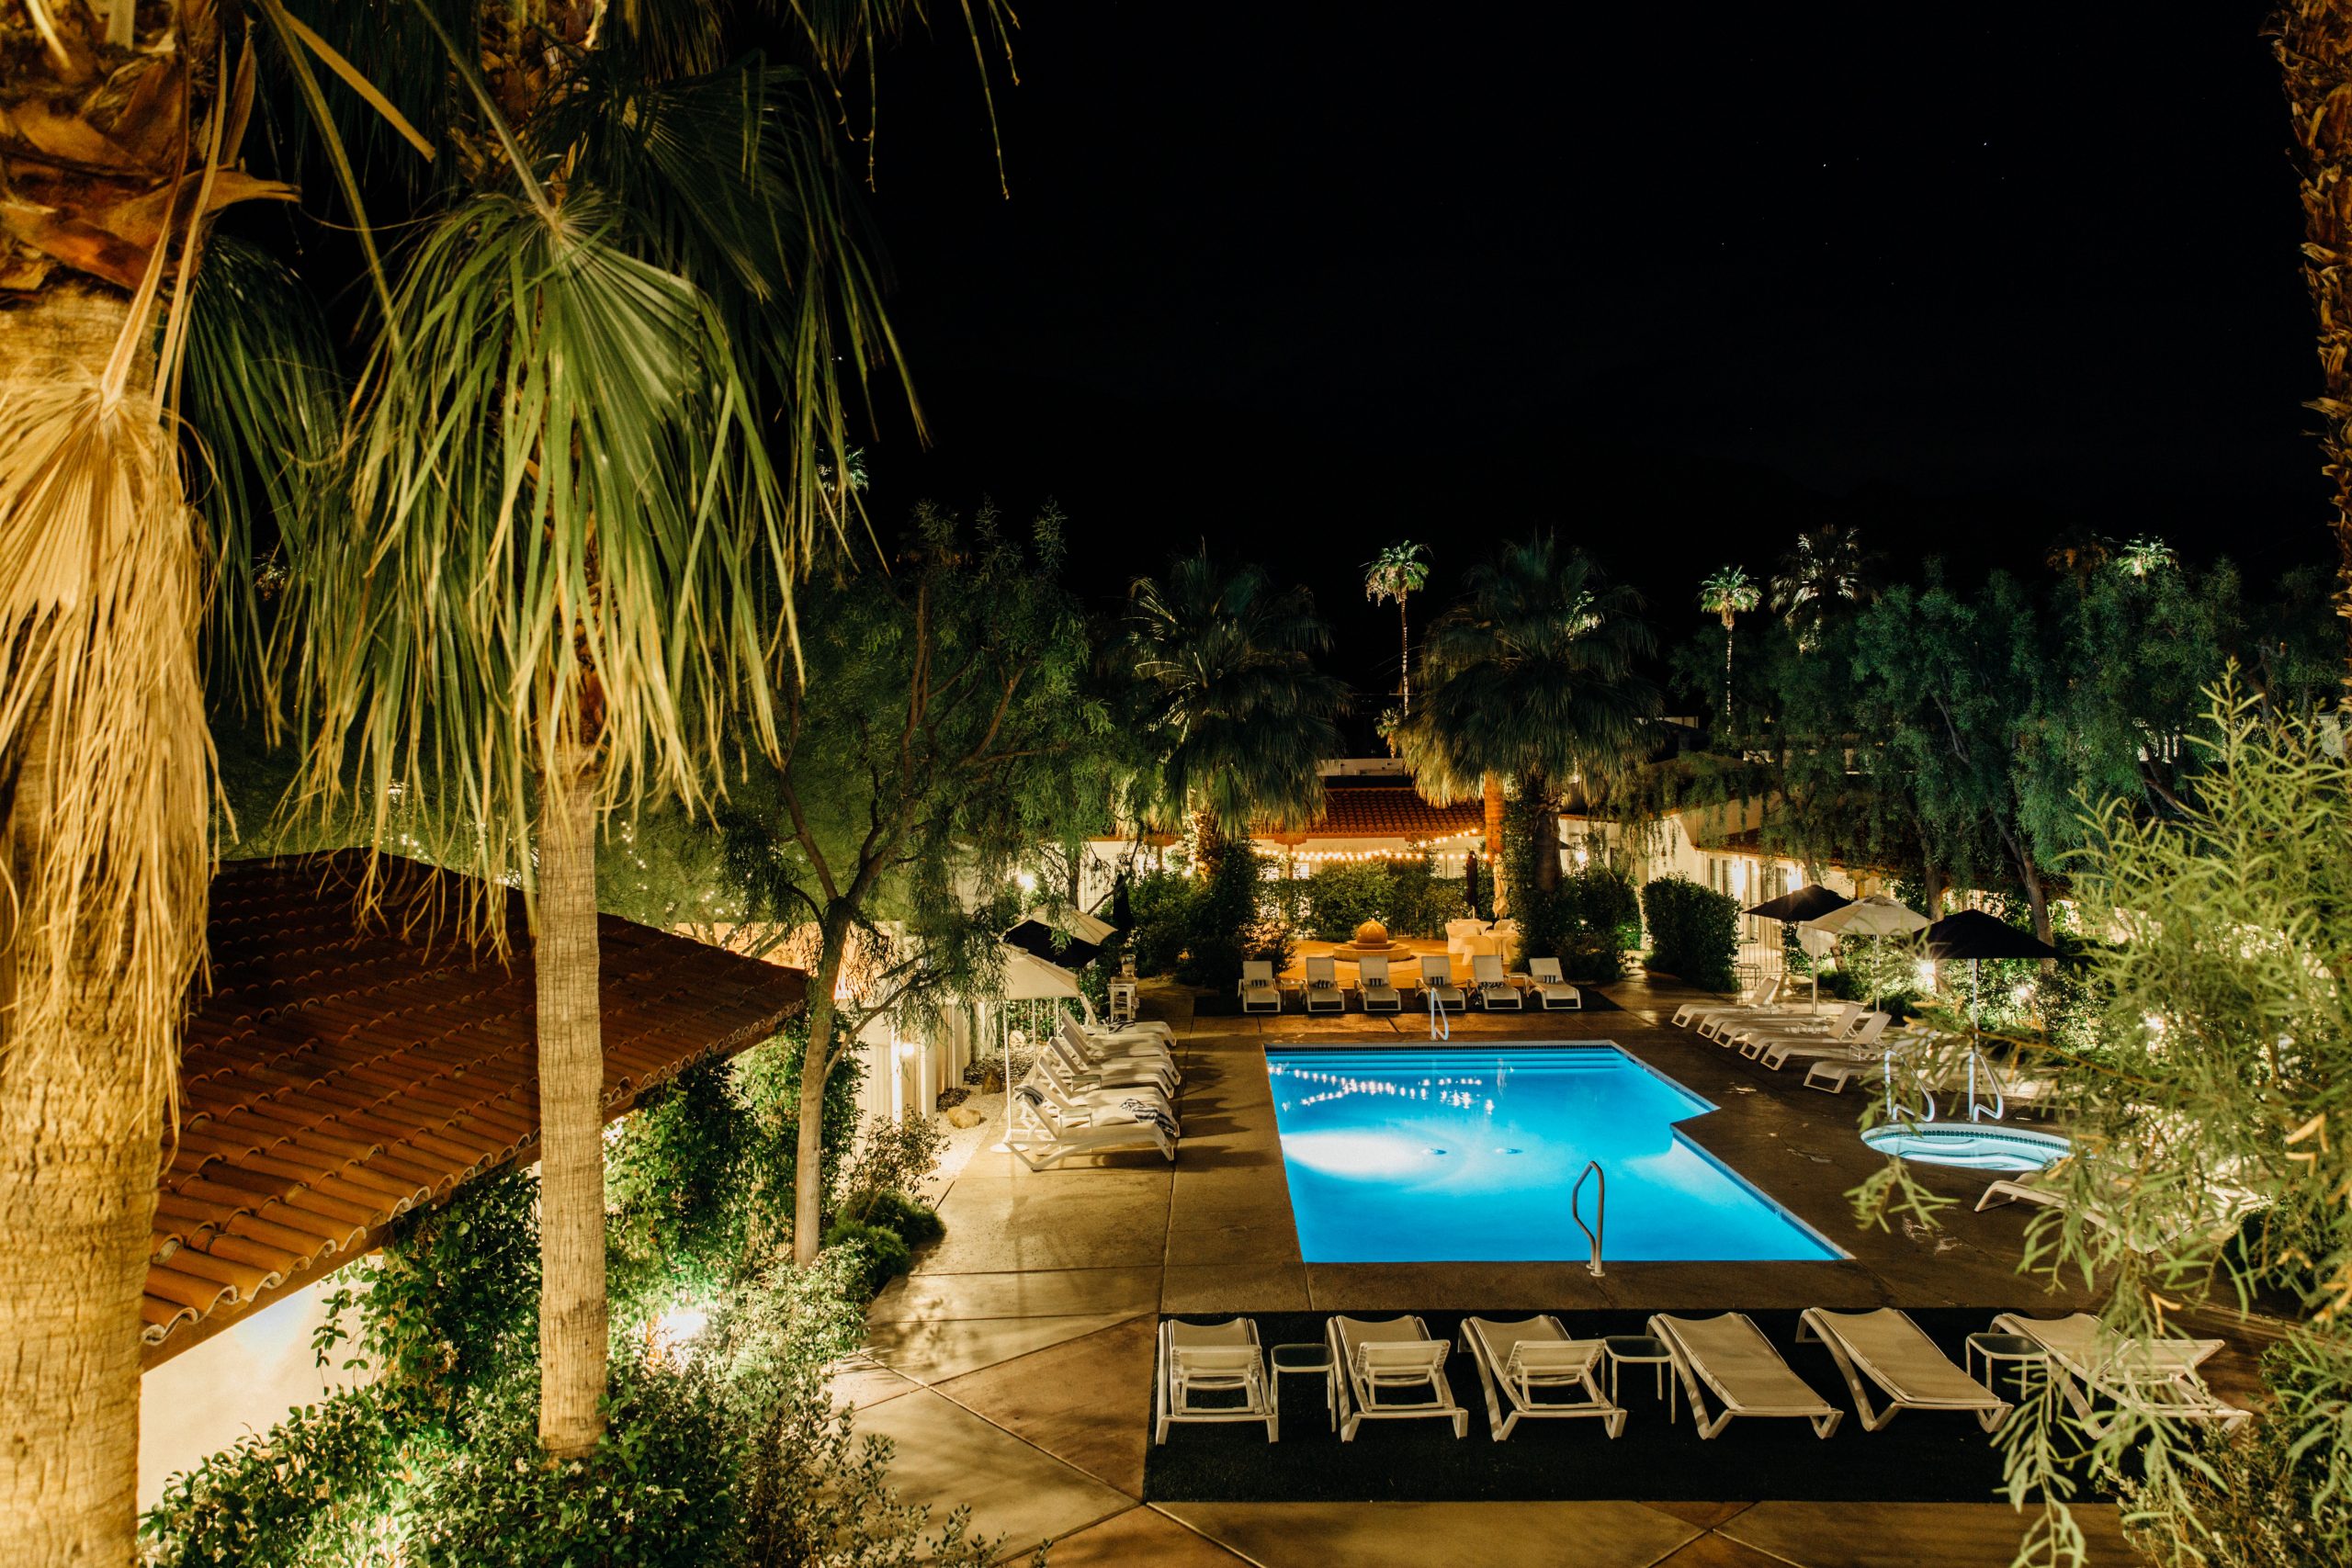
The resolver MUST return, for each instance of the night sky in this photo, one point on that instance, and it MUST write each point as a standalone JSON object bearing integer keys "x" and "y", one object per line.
{"x": 1300, "y": 280}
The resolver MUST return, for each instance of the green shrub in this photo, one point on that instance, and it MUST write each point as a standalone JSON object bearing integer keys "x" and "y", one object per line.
{"x": 884, "y": 1253}
{"x": 1161, "y": 905}
{"x": 917, "y": 1224}
{"x": 1693, "y": 931}
{"x": 1224, "y": 921}
{"x": 1342, "y": 896}
{"x": 897, "y": 1156}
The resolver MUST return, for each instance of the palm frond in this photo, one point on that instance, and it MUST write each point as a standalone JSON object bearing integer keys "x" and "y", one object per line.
{"x": 263, "y": 404}
{"x": 102, "y": 721}
{"x": 559, "y": 506}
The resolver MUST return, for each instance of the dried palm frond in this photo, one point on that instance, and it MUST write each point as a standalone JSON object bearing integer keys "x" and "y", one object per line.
{"x": 102, "y": 723}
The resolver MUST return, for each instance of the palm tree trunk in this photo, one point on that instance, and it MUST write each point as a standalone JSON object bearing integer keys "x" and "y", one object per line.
{"x": 1404, "y": 654}
{"x": 1727, "y": 636}
{"x": 1536, "y": 791}
{"x": 78, "y": 1160}
{"x": 1492, "y": 787}
{"x": 81, "y": 1130}
{"x": 572, "y": 1326}
{"x": 1209, "y": 839}
{"x": 2312, "y": 41}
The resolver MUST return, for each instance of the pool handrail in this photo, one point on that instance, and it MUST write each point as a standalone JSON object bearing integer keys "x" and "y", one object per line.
{"x": 1600, "y": 1214}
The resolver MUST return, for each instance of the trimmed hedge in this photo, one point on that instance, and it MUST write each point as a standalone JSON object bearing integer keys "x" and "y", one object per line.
{"x": 1693, "y": 930}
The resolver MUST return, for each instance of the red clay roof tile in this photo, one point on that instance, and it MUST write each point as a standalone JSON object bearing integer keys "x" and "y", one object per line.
{"x": 344, "y": 1070}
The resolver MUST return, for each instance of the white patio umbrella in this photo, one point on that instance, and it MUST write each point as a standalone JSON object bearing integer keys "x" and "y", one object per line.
{"x": 1029, "y": 978}
{"x": 1876, "y": 917}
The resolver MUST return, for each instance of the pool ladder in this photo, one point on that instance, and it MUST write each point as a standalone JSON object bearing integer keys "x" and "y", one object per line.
{"x": 1599, "y": 1213}
{"x": 1441, "y": 1026}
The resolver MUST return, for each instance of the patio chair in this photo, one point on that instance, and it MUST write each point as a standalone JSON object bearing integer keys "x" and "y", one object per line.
{"x": 1534, "y": 1366}
{"x": 1390, "y": 1369}
{"x": 1437, "y": 980}
{"x": 1259, "y": 992}
{"x": 1374, "y": 989}
{"x": 1098, "y": 1051}
{"x": 1495, "y": 993}
{"x": 1830, "y": 1075}
{"x": 1690, "y": 1015}
{"x": 1552, "y": 988}
{"x": 1884, "y": 1348}
{"x": 1076, "y": 1073}
{"x": 1323, "y": 993}
{"x": 1210, "y": 1371}
{"x": 1721, "y": 1027}
{"x": 1779, "y": 1050}
{"x": 1727, "y": 1356}
{"x": 1083, "y": 1102}
{"x": 1751, "y": 1039}
{"x": 2145, "y": 1376}
{"x": 1137, "y": 1028}
{"x": 1057, "y": 1137}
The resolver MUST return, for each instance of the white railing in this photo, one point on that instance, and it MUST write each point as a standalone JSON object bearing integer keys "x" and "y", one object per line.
{"x": 1600, "y": 1225}
{"x": 1441, "y": 1026}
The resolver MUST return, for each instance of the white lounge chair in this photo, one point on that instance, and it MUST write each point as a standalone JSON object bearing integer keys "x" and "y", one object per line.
{"x": 1552, "y": 988}
{"x": 1753, "y": 1040}
{"x": 1532, "y": 1365}
{"x": 1117, "y": 1072}
{"x": 1721, "y": 1027}
{"x": 1079, "y": 1103}
{"x": 1122, "y": 1078}
{"x": 1778, "y": 1051}
{"x": 1148, "y": 1028}
{"x": 1729, "y": 1358}
{"x": 1690, "y": 1015}
{"x": 1885, "y": 1348}
{"x": 1390, "y": 1369}
{"x": 1495, "y": 993}
{"x": 1099, "y": 1052}
{"x": 2148, "y": 1377}
{"x": 1374, "y": 989}
{"x": 1830, "y": 1075}
{"x": 1323, "y": 993}
{"x": 1210, "y": 1371}
{"x": 1259, "y": 992}
{"x": 1437, "y": 978}
{"x": 1059, "y": 1137}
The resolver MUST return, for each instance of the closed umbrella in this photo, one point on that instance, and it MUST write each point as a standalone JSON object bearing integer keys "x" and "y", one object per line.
{"x": 1809, "y": 902}
{"x": 1877, "y": 917}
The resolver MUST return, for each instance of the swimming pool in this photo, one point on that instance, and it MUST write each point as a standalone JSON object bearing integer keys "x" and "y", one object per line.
{"x": 1417, "y": 1156}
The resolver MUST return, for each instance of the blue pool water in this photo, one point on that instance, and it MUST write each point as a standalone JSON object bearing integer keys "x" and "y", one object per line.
{"x": 1405, "y": 1156}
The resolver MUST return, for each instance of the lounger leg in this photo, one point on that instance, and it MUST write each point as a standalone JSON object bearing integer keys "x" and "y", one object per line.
{"x": 1824, "y": 1424}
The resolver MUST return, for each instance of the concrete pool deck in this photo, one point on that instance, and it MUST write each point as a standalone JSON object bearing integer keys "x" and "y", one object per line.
{"x": 1012, "y": 1368}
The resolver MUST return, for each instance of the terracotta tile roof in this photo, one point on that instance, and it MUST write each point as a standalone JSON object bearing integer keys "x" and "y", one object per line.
{"x": 341, "y": 1074}
{"x": 1387, "y": 811}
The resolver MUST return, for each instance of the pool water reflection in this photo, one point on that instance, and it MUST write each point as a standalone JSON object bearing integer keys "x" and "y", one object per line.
{"x": 1412, "y": 1155}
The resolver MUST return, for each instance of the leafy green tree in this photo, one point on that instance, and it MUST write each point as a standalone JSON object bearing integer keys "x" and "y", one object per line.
{"x": 1397, "y": 572}
{"x": 945, "y": 725}
{"x": 1233, "y": 716}
{"x": 1535, "y": 675}
{"x": 2210, "y": 1166}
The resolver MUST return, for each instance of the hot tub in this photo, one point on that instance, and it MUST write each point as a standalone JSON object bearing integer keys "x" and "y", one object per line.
{"x": 1977, "y": 1145}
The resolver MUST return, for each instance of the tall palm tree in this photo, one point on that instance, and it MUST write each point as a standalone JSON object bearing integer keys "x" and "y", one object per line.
{"x": 1237, "y": 717}
{"x": 575, "y": 537}
{"x": 1729, "y": 593}
{"x": 2145, "y": 555}
{"x": 1827, "y": 567}
{"x": 2312, "y": 41}
{"x": 118, "y": 150}
{"x": 1534, "y": 676}
{"x": 1397, "y": 572}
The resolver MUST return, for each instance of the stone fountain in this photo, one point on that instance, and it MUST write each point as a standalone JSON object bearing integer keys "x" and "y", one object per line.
{"x": 1372, "y": 940}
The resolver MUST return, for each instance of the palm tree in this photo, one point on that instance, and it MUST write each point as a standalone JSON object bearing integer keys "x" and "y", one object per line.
{"x": 573, "y": 546}
{"x": 1730, "y": 593}
{"x": 2145, "y": 555}
{"x": 1237, "y": 717}
{"x": 1827, "y": 567}
{"x": 2312, "y": 41}
{"x": 104, "y": 754}
{"x": 1397, "y": 572}
{"x": 1532, "y": 676}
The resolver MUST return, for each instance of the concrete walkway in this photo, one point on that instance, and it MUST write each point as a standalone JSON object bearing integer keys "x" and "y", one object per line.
{"x": 1012, "y": 1368}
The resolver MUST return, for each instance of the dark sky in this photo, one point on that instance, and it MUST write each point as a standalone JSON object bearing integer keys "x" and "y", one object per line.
{"x": 1300, "y": 279}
